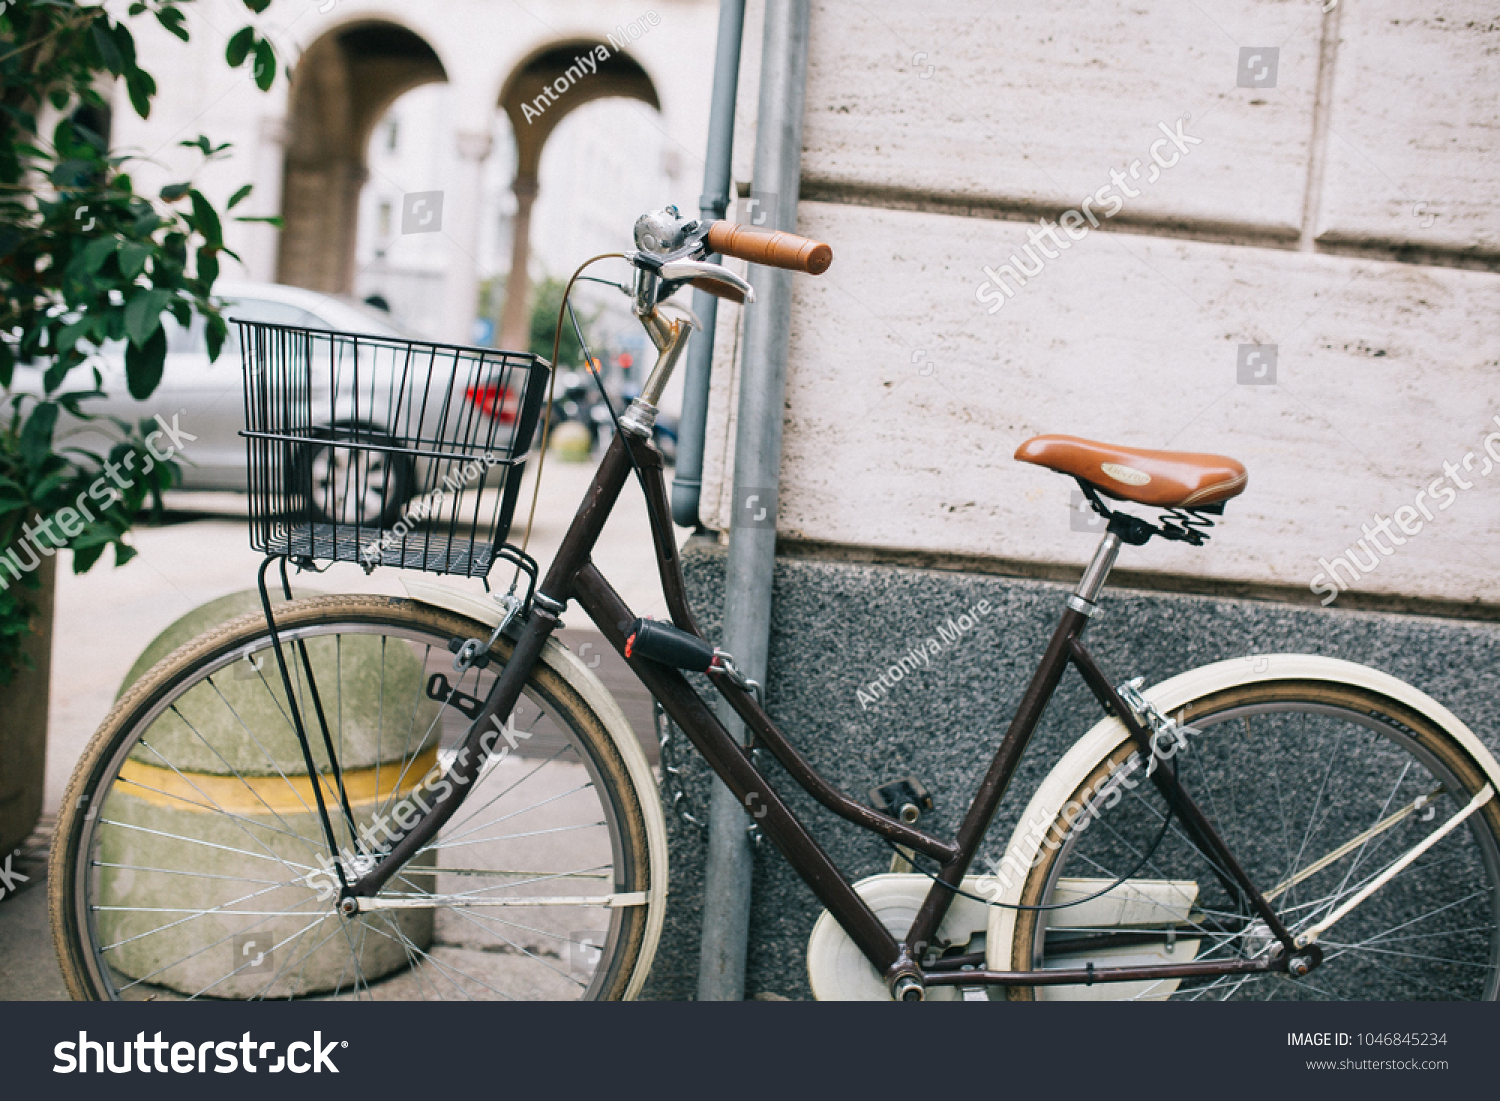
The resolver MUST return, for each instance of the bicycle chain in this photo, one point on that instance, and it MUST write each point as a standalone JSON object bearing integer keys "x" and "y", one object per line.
{"x": 671, "y": 776}
{"x": 677, "y": 797}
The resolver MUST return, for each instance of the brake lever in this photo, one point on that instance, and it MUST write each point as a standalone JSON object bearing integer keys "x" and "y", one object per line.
{"x": 677, "y": 272}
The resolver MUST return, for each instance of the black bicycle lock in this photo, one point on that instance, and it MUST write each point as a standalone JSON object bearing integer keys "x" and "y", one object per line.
{"x": 658, "y": 641}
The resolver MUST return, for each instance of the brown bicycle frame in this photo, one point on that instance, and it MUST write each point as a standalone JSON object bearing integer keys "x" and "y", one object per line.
{"x": 573, "y": 575}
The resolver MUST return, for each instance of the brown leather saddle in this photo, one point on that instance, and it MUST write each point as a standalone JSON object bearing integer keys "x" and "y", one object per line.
{"x": 1165, "y": 479}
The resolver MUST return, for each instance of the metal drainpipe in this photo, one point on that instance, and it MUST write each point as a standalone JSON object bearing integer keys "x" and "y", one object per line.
{"x": 757, "y": 472}
{"x": 687, "y": 477}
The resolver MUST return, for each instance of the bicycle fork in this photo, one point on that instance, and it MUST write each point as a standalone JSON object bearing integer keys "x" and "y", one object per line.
{"x": 479, "y": 744}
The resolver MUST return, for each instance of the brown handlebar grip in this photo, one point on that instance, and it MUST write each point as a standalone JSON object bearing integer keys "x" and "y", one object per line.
{"x": 770, "y": 247}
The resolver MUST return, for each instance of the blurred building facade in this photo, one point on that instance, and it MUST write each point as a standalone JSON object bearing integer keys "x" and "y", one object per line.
{"x": 418, "y": 151}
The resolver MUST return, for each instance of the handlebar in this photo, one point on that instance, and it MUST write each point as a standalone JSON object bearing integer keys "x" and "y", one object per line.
{"x": 769, "y": 247}
{"x": 673, "y": 253}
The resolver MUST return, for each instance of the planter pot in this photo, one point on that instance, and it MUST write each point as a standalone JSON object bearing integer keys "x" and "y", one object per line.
{"x": 23, "y": 722}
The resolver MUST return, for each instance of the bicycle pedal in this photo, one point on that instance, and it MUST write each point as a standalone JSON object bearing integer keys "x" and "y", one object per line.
{"x": 906, "y": 799}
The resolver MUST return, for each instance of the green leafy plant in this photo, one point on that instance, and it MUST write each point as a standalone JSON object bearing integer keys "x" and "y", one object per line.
{"x": 85, "y": 261}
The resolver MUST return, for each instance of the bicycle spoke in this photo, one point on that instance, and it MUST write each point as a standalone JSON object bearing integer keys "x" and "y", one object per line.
{"x": 1419, "y": 901}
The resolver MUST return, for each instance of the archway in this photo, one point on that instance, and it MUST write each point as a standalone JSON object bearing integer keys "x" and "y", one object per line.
{"x": 340, "y": 88}
{"x": 542, "y": 91}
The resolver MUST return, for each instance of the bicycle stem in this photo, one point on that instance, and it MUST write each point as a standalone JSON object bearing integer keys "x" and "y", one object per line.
{"x": 671, "y": 339}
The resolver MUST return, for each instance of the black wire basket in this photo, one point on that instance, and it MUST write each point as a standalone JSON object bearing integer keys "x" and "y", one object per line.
{"x": 385, "y": 452}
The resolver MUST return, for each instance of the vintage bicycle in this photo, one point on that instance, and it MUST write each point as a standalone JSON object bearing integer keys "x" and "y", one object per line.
{"x": 431, "y": 797}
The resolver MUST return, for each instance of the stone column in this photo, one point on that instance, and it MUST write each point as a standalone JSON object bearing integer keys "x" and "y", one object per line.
{"x": 261, "y": 240}
{"x": 353, "y": 176}
{"x": 515, "y": 324}
{"x": 461, "y": 228}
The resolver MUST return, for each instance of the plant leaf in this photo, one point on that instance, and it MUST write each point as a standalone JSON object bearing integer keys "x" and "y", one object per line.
{"x": 68, "y": 335}
{"x": 172, "y": 19}
{"x": 85, "y": 557}
{"x": 214, "y": 332}
{"x": 265, "y": 65}
{"x": 208, "y": 266}
{"x": 143, "y": 315}
{"x": 207, "y": 219}
{"x": 141, "y": 87}
{"x": 143, "y": 365}
{"x": 104, "y": 42}
{"x": 92, "y": 258}
{"x": 239, "y": 46}
{"x": 36, "y": 436}
{"x": 239, "y": 196}
{"x": 55, "y": 374}
{"x": 133, "y": 257}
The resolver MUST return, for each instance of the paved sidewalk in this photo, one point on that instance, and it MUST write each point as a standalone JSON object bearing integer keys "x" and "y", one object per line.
{"x": 105, "y": 618}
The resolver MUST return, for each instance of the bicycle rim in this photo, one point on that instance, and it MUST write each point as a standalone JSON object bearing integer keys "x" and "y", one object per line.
{"x": 1316, "y": 790}
{"x": 196, "y": 864}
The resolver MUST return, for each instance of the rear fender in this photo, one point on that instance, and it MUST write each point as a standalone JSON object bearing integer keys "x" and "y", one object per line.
{"x": 1109, "y": 733}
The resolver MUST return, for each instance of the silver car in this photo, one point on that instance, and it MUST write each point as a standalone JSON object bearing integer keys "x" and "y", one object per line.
{"x": 208, "y": 397}
{"x": 206, "y": 401}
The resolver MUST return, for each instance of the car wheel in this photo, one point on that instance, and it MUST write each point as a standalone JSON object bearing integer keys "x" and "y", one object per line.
{"x": 344, "y": 483}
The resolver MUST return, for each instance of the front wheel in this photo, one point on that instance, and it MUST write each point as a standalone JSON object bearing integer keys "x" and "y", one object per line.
{"x": 191, "y": 862}
{"x": 1318, "y": 789}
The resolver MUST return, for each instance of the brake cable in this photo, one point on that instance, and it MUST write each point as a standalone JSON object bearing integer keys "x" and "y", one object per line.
{"x": 552, "y": 389}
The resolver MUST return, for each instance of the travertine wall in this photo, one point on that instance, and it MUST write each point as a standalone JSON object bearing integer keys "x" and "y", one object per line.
{"x": 1343, "y": 215}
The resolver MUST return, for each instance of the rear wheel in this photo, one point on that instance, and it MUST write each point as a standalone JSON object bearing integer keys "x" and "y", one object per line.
{"x": 1317, "y": 789}
{"x": 191, "y": 861}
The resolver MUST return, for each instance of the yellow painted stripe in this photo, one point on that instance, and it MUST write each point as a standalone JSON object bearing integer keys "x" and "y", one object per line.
{"x": 210, "y": 792}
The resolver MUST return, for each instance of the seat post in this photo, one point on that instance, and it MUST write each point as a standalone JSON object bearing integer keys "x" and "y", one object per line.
{"x": 1086, "y": 595}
